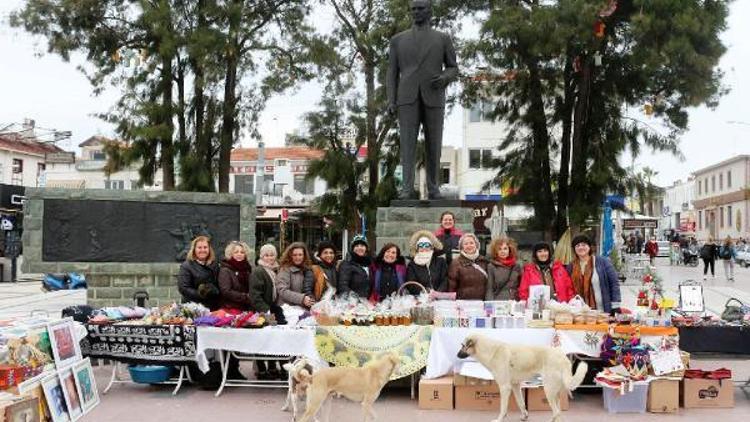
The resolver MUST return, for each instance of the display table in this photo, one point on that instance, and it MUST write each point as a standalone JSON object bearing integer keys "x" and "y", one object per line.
{"x": 720, "y": 340}
{"x": 356, "y": 346}
{"x": 586, "y": 340}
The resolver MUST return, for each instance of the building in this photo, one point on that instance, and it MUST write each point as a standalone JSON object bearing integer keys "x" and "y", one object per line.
{"x": 677, "y": 212}
{"x": 23, "y": 159}
{"x": 87, "y": 171}
{"x": 722, "y": 199}
{"x": 481, "y": 137}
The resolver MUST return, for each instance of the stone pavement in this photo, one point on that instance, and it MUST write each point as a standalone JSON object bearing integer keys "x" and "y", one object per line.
{"x": 22, "y": 298}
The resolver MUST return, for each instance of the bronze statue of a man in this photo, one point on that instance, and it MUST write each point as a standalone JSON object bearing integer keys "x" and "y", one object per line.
{"x": 422, "y": 64}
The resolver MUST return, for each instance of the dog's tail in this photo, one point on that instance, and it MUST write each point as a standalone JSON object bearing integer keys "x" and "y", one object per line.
{"x": 573, "y": 381}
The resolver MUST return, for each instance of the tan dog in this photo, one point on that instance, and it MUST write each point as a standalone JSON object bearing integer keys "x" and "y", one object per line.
{"x": 511, "y": 364}
{"x": 300, "y": 374}
{"x": 356, "y": 384}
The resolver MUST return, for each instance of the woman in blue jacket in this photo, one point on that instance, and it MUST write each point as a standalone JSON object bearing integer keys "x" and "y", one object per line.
{"x": 594, "y": 277}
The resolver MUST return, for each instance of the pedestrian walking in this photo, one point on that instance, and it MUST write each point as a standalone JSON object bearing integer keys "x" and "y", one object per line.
{"x": 652, "y": 249}
{"x": 709, "y": 253}
{"x": 727, "y": 253}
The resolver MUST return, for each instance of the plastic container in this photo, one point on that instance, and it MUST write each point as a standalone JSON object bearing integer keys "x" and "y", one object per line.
{"x": 630, "y": 402}
{"x": 149, "y": 374}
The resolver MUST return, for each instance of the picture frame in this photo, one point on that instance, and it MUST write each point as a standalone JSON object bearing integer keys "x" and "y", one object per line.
{"x": 86, "y": 384}
{"x": 691, "y": 297}
{"x": 65, "y": 347}
{"x": 55, "y": 399}
{"x": 23, "y": 411}
{"x": 70, "y": 391}
{"x": 33, "y": 387}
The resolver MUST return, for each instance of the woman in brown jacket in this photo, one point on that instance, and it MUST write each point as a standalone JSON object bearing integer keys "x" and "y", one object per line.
{"x": 467, "y": 274}
{"x": 234, "y": 277}
{"x": 504, "y": 272}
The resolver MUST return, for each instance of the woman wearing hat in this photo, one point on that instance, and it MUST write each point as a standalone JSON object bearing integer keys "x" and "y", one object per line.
{"x": 324, "y": 269}
{"x": 594, "y": 277}
{"x": 544, "y": 271}
{"x": 354, "y": 272}
{"x": 426, "y": 267}
{"x": 467, "y": 274}
{"x": 503, "y": 270}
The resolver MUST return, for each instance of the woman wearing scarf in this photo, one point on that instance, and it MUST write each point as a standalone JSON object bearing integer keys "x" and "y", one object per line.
{"x": 448, "y": 235}
{"x": 467, "y": 274}
{"x": 197, "y": 279}
{"x": 324, "y": 269}
{"x": 542, "y": 270}
{"x": 294, "y": 283}
{"x": 354, "y": 272}
{"x": 503, "y": 270}
{"x": 388, "y": 272}
{"x": 263, "y": 294}
{"x": 426, "y": 267}
{"x": 234, "y": 278}
{"x": 594, "y": 277}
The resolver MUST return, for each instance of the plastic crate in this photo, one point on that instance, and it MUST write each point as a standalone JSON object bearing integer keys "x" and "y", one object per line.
{"x": 149, "y": 374}
{"x": 630, "y": 402}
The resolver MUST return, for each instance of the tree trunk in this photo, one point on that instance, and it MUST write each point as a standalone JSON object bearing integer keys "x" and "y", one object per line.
{"x": 167, "y": 145}
{"x": 183, "y": 146}
{"x": 229, "y": 112}
{"x": 545, "y": 207}
{"x": 564, "y": 173}
{"x": 372, "y": 144}
{"x": 580, "y": 140}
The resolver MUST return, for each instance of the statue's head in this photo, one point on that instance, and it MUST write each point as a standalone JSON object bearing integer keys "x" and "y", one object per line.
{"x": 421, "y": 11}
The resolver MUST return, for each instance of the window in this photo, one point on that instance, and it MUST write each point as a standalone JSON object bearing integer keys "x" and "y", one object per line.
{"x": 700, "y": 220}
{"x": 729, "y": 179}
{"x": 17, "y": 175}
{"x": 475, "y": 114}
{"x": 700, "y": 185}
{"x": 281, "y": 163}
{"x": 304, "y": 186}
{"x": 244, "y": 183}
{"x": 445, "y": 176}
{"x": 707, "y": 222}
{"x": 17, "y": 165}
{"x": 98, "y": 155}
{"x": 475, "y": 158}
{"x": 729, "y": 216}
{"x": 713, "y": 183}
{"x": 40, "y": 168}
{"x": 487, "y": 158}
{"x": 114, "y": 184}
{"x": 481, "y": 112}
{"x": 721, "y": 181}
{"x": 135, "y": 185}
{"x": 268, "y": 184}
{"x": 721, "y": 217}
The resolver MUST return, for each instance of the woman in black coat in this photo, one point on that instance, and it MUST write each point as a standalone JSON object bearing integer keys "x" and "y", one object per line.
{"x": 354, "y": 273}
{"x": 426, "y": 267}
{"x": 197, "y": 280}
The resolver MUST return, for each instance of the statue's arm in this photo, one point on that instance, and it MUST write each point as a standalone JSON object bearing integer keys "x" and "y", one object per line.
{"x": 450, "y": 73}
{"x": 392, "y": 78}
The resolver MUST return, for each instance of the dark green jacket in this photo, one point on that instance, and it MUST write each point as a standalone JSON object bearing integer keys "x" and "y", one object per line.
{"x": 261, "y": 290}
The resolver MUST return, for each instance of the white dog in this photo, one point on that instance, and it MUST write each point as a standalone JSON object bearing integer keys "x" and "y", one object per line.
{"x": 300, "y": 374}
{"x": 510, "y": 365}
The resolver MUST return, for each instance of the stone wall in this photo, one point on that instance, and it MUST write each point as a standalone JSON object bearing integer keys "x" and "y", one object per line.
{"x": 113, "y": 283}
{"x": 397, "y": 224}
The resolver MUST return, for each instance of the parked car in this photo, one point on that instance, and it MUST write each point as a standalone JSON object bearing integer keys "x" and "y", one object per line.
{"x": 743, "y": 255}
{"x": 665, "y": 248}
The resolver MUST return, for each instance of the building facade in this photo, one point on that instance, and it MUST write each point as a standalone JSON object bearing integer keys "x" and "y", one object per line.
{"x": 722, "y": 199}
{"x": 22, "y": 159}
{"x": 481, "y": 137}
{"x": 678, "y": 212}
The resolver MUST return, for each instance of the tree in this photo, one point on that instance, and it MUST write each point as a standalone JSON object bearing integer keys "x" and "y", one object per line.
{"x": 570, "y": 93}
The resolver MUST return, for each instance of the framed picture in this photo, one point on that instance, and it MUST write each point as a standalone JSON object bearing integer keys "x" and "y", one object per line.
{"x": 86, "y": 384}
{"x": 70, "y": 391}
{"x": 65, "y": 347}
{"x": 691, "y": 297}
{"x": 23, "y": 411}
{"x": 55, "y": 399}
{"x": 33, "y": 387}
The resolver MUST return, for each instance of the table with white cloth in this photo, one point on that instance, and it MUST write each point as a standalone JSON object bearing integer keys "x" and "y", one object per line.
{"x": 281, "y": 343}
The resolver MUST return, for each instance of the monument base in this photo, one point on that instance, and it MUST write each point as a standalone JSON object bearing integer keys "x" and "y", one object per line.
{"x": 426, "y": 203}
{"x": 396, "y": 224}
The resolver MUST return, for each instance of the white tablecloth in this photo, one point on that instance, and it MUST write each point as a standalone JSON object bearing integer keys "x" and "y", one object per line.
{"x": 446, "y": 342}
{"x": 274, "y": 341}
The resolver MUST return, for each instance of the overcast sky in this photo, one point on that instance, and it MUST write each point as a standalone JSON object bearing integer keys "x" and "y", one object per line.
{"x": 52, "y": 92}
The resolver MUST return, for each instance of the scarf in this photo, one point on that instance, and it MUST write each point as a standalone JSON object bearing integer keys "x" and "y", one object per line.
{"x": 423, "y": 258}
{"x": 271, "y": 270}
{"x": 241, "y": 269}
{"x": 471, "y": 257}
{"x": 362, "y": 261}
{"x": 507, "y": 262}
{"x": 582, "y": 281}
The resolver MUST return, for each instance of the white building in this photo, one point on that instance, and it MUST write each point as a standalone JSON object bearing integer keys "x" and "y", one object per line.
{"x": 481, "y": 138}
{"x": 678, "y": 212}
{"x": 87, "y": 171}
{"x": 22, "y": 159}
{"x": 722, "y": 199}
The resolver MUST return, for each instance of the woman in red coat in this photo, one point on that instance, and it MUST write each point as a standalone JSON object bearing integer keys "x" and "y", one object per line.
{"x": 544, "y": 271}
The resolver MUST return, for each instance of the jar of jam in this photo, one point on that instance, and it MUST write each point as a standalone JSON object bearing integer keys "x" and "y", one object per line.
{"x": 407, "y": 320}
{"x": 379, "y": 320}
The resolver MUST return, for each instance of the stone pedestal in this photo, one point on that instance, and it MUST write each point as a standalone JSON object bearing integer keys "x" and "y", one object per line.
{"x": 396, "y": 224}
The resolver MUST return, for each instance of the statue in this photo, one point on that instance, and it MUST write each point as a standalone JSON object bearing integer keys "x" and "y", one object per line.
{"x": 422, "y": 62}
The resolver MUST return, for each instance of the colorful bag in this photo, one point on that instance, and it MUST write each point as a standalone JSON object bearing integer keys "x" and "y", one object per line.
{"x": 626, "y": 350}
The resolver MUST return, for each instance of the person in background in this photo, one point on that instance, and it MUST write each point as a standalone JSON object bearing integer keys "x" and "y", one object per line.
{"x": 263, "y": 298}
{"x": 234, "y": 278}
{"x": 727, "y": 253}
{"x": 354, "y": 272}
{"x": 294, "y": 283}
{"x": 387, "y": 272}
{"x": 197, "y": 279}
{"x": 652, "y": 249}
{"x": 426, "y": 267}
{"x": 467, "y": 274}
{"x": 504, "y": 271}
{"x": 324, "y": 269}
{"x": 640, "y": 240}
{"x": 594, "y": 277}
{"x": 709, "y": 252}
{"x": 543, "y": 270}
{"x": 448, "y": 235}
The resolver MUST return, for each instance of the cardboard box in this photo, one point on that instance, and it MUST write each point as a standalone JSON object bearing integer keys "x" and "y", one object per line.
{"x": 481, "y": 397}
{"x": 537, "y": 400}
{"x": 436, "y": 393}
{"x": 697, "y": 393}
{"x": 464, "y": 380}
{"x": 663, "y": 396}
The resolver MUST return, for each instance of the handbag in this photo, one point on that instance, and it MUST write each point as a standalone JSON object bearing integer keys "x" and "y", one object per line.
{"x": 733, "y": 312}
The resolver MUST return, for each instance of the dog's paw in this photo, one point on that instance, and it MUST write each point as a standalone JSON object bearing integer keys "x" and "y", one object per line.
{"x": 525, "y": 417}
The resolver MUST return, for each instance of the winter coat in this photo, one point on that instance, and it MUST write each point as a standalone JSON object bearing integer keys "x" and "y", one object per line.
{"x": 652, "y": 249}
{"x": 432, "y": 277}
{"x": 353, "y": 278}
{"x": 234, "y": 293}
{"x": 609, "y": 282}
{"x": 380, "y": 289}
{"x": 532, "y": 276}
{"x": 468, "y": 282}
{"x": 727, "y": 252}
{"x": 502, "y": 281}
{"x": 192, "y": 274}
{"x": 709, "y": 251}
{"x": 261, "y": 290}
{"x": 449, "y": 242}
{"x": 293, "y": 284}
{"x": 323, "y": 277}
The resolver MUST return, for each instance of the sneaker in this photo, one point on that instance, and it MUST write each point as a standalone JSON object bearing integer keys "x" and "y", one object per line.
{"x": 705, "y": 278}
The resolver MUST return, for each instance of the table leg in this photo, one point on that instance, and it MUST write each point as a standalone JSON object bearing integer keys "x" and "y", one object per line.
{"x": 412, "y": 385}
{"x": 114, "y": 377}
{"x": 224, "y": 370}
{"x": 179, "y": 380}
